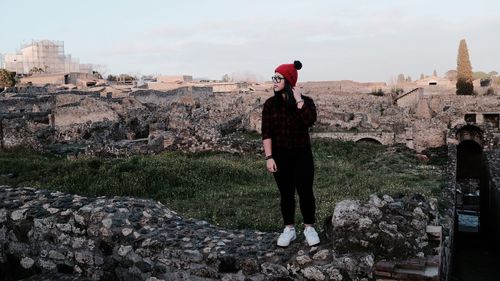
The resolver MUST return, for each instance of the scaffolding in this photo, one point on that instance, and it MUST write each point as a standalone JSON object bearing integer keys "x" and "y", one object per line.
{"x": 46, "y": 55}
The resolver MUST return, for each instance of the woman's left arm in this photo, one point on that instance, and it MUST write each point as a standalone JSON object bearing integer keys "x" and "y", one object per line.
{"x": 306, "y": 111}
{"x": 306, "y": 108}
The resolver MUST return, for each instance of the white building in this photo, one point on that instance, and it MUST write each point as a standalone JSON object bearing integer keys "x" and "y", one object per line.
{"x": 46, "y": 55}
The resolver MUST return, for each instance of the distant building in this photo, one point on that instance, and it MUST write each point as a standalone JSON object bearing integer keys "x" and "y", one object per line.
{"x": 174, "y": 79}
{"x": 47, "y": 56}
{"x": 433, "y": 81}
{"x": 75, "y": 78}
{"x": 228, "y": 87}
{"x": 164, "y": 82}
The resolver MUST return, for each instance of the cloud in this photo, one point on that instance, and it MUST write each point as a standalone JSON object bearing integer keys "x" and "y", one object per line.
{"x": 371, "y": 44}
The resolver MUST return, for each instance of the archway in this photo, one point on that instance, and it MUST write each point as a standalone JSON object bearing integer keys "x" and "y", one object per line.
{"x": 474, "y": 258}
{"x": 469, "y": 160}
{"x": 472, "y": 186}
{"x": 368, "y": 141}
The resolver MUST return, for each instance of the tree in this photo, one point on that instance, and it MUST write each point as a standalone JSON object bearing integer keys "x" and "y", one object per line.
{"x": 480, "y": 75}
{"x": 36, "y": 70}
{"x": 126, "y": 78}
{"x": 464, "y": 71}
{"x": 401, "y": 78}
{"x": 7, "y": 78}
{"x": 226, "y": 78}
{"x": 96, "y": 74}
{"x": 422, "y": 76}
{"x": 493, "y": 73}
{"x": 434, "y": 73}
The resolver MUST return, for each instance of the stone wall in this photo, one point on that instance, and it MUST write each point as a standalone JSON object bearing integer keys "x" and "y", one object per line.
{"x": 159, "y": 97}
{"x": 44, "y": 79}
{"x": 43, "y": 233}
{"x": 447, "y": 219}
{"x": 230, "y": 87}
{"x": 85, "y": 110}
{"x": 493, "y": 160}
{"x": 421, "y": 126}
{"x": 190, "y": 118}
{"x": 20, "y": 103}
{"x": 199, "y": 119}
{"x": 25, "y": 119}
{"x": 26, "y": 90}
{"x": 410, "y": 98}
{"x": 25, "y": 130}
{"x": 385, "y": 138}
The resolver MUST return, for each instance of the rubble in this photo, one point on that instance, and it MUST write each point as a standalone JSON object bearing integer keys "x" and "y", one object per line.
{"x": 193, "y": 117}
{"x": 50, "y": 234}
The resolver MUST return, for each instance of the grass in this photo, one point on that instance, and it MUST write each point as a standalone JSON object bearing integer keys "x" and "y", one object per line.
{"x": 229, "y": 190}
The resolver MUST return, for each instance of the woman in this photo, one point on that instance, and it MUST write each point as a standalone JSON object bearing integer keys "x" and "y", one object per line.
{"x": 286, "y": 118}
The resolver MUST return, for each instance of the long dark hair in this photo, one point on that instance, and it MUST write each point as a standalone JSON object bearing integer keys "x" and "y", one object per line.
{"x": 289, "y": 101}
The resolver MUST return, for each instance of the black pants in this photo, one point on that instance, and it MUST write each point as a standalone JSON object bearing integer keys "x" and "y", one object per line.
{"x": 295, "y": 172}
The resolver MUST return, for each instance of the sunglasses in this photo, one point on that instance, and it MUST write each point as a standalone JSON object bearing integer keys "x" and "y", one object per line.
{"x": 277, "y": 79}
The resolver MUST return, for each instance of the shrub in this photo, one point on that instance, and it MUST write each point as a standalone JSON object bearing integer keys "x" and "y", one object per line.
{"x": 7, "y": 78}
{"x": 36, "y": 70}
{"x": 490, "y": 92}
{"x": 378, "y": 93}
{"x": 397, "y": 91}
{"x": 465, "y": 87}
{"x": 485, "y": 82}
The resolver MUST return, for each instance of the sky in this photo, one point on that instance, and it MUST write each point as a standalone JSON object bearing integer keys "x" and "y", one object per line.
{"x": 361, "y": 40}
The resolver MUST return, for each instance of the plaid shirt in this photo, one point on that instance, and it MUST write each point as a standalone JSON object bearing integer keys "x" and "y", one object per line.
{"x": 288, "y": 130}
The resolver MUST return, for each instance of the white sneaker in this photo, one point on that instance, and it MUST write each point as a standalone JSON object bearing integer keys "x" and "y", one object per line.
{"x": 286, "y": 237}
{"x": 311, "y": 236}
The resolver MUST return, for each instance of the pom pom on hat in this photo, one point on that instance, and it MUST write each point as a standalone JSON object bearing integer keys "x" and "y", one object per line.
{"x": 289, "y": 71}
{"x": 297, "y": 64}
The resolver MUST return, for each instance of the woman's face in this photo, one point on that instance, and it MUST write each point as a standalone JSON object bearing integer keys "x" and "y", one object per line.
{"x": 278, "y": 82}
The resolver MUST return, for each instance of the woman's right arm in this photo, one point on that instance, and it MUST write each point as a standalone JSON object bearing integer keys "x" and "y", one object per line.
{"x": 266, "y": 138}
{"x": 268, "y": 151}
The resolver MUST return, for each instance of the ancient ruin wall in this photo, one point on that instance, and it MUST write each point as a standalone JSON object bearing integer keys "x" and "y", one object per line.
{"x": 493, "y": 160}
{"x": 199, "y": 119}
{"x": 117, "y": 238}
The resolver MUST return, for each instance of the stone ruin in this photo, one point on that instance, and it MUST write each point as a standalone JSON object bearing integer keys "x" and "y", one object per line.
{"x": 195, "y": 118}
{"x": 50, "y": 235}
{"x": 147, "y": 121}
{"x": 57, "y": 236}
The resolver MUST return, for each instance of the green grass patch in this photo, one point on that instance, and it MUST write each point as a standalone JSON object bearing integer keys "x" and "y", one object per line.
{"x": 229, "y": 190}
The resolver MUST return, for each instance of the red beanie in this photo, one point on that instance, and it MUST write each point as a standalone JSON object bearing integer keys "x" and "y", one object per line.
{"x": 289, "y": 71}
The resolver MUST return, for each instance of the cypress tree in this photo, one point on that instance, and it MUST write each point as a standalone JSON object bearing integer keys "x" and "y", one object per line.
{"x": 464, "y": 71}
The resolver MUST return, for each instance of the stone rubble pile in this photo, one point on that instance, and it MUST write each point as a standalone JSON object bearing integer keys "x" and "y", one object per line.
{"x": 388, "y": 227}
{"x": 145, "y": 122}
{"x": 44, "y": 233}
{"x": 197, "y": 119}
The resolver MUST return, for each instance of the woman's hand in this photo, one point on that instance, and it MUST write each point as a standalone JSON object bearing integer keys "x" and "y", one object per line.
{"x": 298, "y": 97}
{"x": 271, "y": 165}
{"x": 296, "y": 94}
